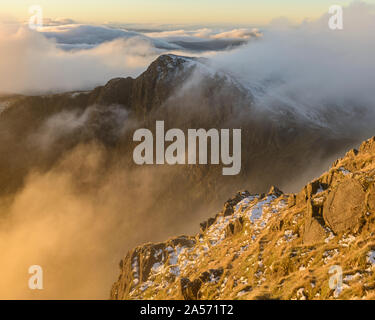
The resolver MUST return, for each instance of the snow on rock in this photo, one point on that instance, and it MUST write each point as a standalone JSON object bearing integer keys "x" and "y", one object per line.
{"x": 371, "y": 257}
{"x": 344, "y": 171}
{"x": 255, "y": 247}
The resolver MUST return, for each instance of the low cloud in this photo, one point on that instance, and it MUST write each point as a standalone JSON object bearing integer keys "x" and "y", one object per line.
{"x": 79, "y": 217}
{"x": 324, "y": 76}
{"x": 73, "y": 233}
{"x": 78, "y": 220}
{"x": 72, "y": 36}
{"x": 58, "y": 21}
{"x": 77, "y": 34}
{"x": 68, "y": 57}
{"x": 31, "y": 63}
{"x": 206, "y": 33}
{"x": 68, "y": 123}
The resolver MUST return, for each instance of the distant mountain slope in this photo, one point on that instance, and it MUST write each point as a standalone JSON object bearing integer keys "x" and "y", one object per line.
{"x": 86, "y": 140}
{"x": 270, "y": 246}
{"x": 185, "y": 93}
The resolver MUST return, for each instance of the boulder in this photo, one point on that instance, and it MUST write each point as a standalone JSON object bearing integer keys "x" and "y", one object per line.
{"x": 371, "y": 198}
{"x": 314, "y": 232}
{"x": 314, "y": 224}
{"x": 345, "y": 206}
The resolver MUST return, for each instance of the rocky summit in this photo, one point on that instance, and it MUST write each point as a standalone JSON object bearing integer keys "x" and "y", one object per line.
{"x": 271, "y": 246}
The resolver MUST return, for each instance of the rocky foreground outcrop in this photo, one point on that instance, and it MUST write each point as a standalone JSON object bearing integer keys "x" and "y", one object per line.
{"x": 271, "y": 246}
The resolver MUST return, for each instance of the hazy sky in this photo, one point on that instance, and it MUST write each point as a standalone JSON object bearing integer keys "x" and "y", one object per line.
{"x": 172, "y": 11}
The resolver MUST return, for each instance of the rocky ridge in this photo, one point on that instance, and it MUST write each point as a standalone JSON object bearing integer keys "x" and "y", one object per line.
{"x": 270, "y": 246}
{"x": 186, "y": 93}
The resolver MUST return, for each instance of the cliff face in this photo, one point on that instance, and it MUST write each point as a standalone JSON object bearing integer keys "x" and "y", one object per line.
{"x": 185, "y": 93}
{"x": 270, "y": 246}
{"x": 109, "y": 114}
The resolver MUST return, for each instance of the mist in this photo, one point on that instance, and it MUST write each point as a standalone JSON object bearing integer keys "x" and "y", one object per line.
{"x": 75, "y": 57}
{"x": 31, "y": 63}
{"x": 78, "y": 220}
{"x": 78, "y": 216}
{"x": 326, "y": 77}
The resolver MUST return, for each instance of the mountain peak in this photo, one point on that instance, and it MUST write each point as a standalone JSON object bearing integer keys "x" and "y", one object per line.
{"x": 173, "y": 58}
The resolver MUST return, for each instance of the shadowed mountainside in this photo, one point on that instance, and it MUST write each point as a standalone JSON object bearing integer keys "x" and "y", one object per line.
{"x": 66, "y": 162}
{"x": 36, "y": 131}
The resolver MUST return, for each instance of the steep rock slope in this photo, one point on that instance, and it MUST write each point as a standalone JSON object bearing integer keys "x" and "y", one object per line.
{"x": 107, "y": 115}
{"x": 270, "y": 246}
{"x": 39, "y": 133}
{"x": 185, "y": 93}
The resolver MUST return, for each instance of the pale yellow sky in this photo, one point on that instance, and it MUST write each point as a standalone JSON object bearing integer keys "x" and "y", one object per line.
{"x": 175, "y": 12}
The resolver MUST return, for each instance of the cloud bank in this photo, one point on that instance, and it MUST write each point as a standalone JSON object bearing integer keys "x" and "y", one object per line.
{"x": 77, "y": 219}
{"x": 67, "y": 57}
{"x": 31, "y": 63}
{"x": 312, "y": 71}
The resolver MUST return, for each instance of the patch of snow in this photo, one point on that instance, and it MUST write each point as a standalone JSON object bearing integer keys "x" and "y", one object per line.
{"x": 344, "y": 171}
{"x": 320, "y": 189}
{"x": 257, "y": 211}
{"x": 243, "y": 280}
{"x": 145, "y": 285}
{"x": 173, "y": 258}
{"x": 280, "y": 205}
{"x": 351, "y": 277}
{"x": 279, "y": 242}
{"x": 330, "y": 254}
{"x": 318, "y": 200}
{"x": 289, "y": 236}
{"x": 310, "y": 262}
{"x": 175, "y": 270}
{"x": 135, "y": 268}
{"x": 169, "y": 249}
{"x": 301, "y": 294}
{"x": 156, "y": 268}
{"x": 296, "y": 218}
{"x": 244, "y": 203}
{"x": 214, "y": 279}
{"x": 346, "y": 241}
{"x": 371, "y": 257}
{"x": 241, "y": 293}
{"x": 158, "y": 253}
{"x": 330, "y": 236}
